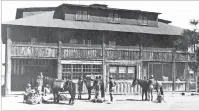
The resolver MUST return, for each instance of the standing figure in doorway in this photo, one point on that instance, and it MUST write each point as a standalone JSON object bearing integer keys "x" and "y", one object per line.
{"x": 96, "y": 86}
{"x": 39, "y": 83}
{"x": 88, "y": 83}
{"x": 80, "y": 87}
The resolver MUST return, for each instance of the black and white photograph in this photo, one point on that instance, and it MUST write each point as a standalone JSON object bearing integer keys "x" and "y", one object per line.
{"x": 99, "y": 55}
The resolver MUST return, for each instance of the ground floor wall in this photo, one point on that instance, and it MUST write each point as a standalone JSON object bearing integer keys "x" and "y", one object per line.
{"x": 25, "y": 70}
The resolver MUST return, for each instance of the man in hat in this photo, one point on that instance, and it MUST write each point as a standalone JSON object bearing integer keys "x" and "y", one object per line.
{"x": 80, "y": 87}
{"x": 112, "y": 85}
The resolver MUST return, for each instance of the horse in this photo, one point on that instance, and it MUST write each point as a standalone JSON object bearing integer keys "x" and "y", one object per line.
{"x": 58, "y": 86}
{"x": 145, "y": 87}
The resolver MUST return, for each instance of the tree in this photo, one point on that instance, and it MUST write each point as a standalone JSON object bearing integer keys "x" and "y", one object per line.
{"x": 189, "y": 39}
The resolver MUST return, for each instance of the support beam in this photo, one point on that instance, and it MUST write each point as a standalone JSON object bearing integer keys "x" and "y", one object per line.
{"x": 8, "y": 63}
{"x": 174, "y": 70}
{"x": 186, "y": 76}
{"x": 103, "y": 62}
{"x": 59, "y": 67}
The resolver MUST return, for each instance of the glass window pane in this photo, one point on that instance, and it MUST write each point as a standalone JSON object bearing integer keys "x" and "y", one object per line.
{"x": 122, "y": 69}
{"x": 113, "y": 69}
{"x": 131, "y": 69}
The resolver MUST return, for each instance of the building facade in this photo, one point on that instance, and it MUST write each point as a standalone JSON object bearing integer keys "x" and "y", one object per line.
{"x": 70, "y": 41}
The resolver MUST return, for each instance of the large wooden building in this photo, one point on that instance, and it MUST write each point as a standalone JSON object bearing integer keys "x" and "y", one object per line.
{"x": 70, "y": 41}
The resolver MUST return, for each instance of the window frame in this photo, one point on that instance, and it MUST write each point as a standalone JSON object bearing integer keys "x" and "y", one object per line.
{"x": 82, "y": 15}
{"x": 123, "y": 75}
{"x": 142, "y": 20}
{"x": 113, "y": 18}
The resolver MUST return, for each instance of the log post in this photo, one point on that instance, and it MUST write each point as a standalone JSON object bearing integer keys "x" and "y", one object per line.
{"x": 59, "y": 67}
{"x": 186, "y": 77}
{"x": 174, "y": 70}
{"x": 103, "y": 63}
{"x": 8, "y": 63}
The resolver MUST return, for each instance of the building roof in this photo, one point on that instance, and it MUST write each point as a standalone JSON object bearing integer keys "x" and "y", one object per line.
{"x": 32, "y": 10}
{"x": 104, "y": 6}
{"x": 46, "y": 20}
{"x": 164, "y": 21}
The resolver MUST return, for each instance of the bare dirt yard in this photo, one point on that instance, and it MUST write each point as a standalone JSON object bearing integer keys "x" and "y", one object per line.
{"x": 121, "y": 102}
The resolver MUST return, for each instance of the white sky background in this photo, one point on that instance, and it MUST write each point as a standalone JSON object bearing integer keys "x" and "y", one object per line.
{"x": 179, "y": 12}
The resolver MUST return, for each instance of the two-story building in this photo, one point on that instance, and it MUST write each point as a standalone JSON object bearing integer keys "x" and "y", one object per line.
{"x": 70, "y": 41}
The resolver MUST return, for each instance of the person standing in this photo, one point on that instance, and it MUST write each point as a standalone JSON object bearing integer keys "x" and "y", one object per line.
{"x": 27, "y": 92}
{"x": 112, "y": 85}
{"x": 102, "y": 87}
{"x": 39, "y": 83}
{"x": 96, "y": 86}
{"x": 88, "y": 83}
{"x": 80, "y": 87}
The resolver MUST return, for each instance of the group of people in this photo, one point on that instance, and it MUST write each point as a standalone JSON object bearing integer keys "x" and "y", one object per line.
{"x": 97, "y": 85}
{"x": 38, "y": 89}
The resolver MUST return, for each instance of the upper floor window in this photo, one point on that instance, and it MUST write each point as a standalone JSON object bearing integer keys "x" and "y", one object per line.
{"x": 88, "y": 42}
{"x": 82, "y": 15}
{"x": 73, "y": 41}
{"x": 142, "y": 20}
{"x": 113, "y": 18}
{"x": 33, "y": 40}
{"x": 112, "y": 43}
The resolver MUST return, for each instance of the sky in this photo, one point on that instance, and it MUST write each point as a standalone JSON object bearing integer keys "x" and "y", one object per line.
{"x": 179, "y": 12}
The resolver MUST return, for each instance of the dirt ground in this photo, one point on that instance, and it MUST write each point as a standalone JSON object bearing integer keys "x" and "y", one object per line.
{"x": 121, "y": 102}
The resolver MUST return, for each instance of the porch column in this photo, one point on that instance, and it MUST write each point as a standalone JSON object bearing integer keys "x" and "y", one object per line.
{"x": 8, "y": 63}
{"x": 103, "y": 62}
{"x": 186, "y": 76}
{"x": 59, "y": 68}
{"x": 141, "y": 62}
{"x": 174, "y": 70}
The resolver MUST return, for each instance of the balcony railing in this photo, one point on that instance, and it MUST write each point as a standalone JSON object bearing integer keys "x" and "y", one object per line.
{"x": 82, "y": 51}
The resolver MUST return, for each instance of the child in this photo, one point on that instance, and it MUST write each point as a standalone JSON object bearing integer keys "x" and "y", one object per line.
{"x": 80, "y": 87}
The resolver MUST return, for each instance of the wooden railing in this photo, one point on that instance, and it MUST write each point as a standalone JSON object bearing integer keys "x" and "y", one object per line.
{"x": 124, "y": 87}
{"x": 34, "y": 51}
{"x": 82, "y": 51}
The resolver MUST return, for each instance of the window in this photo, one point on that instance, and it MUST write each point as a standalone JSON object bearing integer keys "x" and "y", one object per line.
{"x": 73, "y": 41}
{"x": 82, "y": 15}
{"x": 113, "y": 18}
{"x": 142, "y": 20}
{"x": 33, "y": 40}
{"x": 66, "y": 71}
{"x": 161, "y": 72}
{"x": 88, "y": 42}
{"x": 112, "y": 43}
{"x": 74, "y": 71}
{"x": 122, "y": 72}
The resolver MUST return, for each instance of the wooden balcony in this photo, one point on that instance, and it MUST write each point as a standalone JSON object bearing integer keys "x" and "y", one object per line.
{"x": 82, "y": 51}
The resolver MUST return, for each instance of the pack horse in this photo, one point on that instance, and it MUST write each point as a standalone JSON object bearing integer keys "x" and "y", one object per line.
{"x": 62, "y": 86}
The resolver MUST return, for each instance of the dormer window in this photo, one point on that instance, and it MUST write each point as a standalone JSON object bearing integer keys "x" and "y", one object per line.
{"x": 113, "y": 18}
{"x": 142, "y": 20}
{"x": 82, "y": 15}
